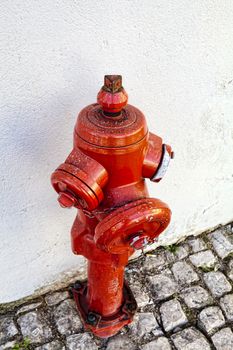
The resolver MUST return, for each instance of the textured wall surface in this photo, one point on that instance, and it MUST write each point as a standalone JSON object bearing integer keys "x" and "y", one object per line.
{"x": 176, "y": 58}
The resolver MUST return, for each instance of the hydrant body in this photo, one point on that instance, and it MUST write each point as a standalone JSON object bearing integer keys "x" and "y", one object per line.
{"x": 104, "y": 178}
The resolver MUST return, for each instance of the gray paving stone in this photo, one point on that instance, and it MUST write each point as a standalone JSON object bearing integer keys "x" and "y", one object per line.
{"x": 66, "y": 318}
{"x": 7, "y": 328}
{"x": 163, "y": 285}
{"x": 197, "y": 244}
{"x": 210, "y": 319}
{"x": 29, "y": 307}
{"x": 172, "y": 315}
{"x": 204, "y": 260}
{"x": 223, "y": 340}
{"x": 131, "y": 269}
{"x": 54, "y": 345}
{"x": 229, "y": 228}
{"x": 159, "y": 344}
{"x": 222, "y": 243}
{"x": 55, "y": 298}
{"x": 120, "y": 342}
{"x": 184, "y": 273}
{"x": 144, "y": 323}
{"x": 217, "y": 283}
{"x": 182, "y": 251}
{"x": 190, "y": 339}
{"x": 155, "y": 260}
{"x": 35, "y": 326}
{"x": 81, "y": 341}
{"x": 196, "y": 297}
{"x": 226, "y": 304}
{"x": 141, "y": 295}
{"x": 230, "y": 269}
{"x": 8, "y": 346}
{"x": 132, "y": 278}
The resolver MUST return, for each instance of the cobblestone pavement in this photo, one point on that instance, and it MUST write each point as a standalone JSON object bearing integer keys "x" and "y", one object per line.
{"x": 185, "y": 302}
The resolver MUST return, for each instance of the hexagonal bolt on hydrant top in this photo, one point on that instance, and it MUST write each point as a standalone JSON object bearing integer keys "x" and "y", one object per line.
{"x": 103, "y": 178}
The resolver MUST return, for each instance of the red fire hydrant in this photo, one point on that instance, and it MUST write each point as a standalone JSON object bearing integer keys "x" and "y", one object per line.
{"x": 104, "y": 178}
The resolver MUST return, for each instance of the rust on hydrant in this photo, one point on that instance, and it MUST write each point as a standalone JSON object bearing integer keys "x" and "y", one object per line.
{"x": 104, "y": 178}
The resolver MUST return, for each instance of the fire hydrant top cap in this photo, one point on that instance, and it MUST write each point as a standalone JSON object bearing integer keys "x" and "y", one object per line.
{"x": 111, "y": 122}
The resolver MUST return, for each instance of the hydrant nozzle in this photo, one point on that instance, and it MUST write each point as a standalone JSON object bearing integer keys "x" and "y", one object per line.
{"x": 103, "y": 178}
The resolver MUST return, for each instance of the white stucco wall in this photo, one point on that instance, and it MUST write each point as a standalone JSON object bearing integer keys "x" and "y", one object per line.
{"x": 176, "y": 58}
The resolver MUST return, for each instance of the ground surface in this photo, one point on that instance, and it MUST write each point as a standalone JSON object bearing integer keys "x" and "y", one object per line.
{"x": 185, "y": 299}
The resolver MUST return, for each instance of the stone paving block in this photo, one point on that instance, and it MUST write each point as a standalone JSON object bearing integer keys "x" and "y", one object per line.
{"x": 190, "y": 339}
{"x": 132, "y": 268}
{"x": 217, "y": 283}
{"x": 159, "y": 344}
{"x": 54, "y": 345}
{"x": 132, "y": 278}
{"x": 210, "y": 319}
{"x": 229, "y": 228}
{"x": 153, "y": 261}
{"x": 120, "y": 342}
{"x": 55, "y": 298}
{"x": 196, "y": 297}
{"x": 8, "y": 346}
{"x": 142, "y": 297}
{"x": 204, "y": 260}
{"x": 226, "y": 304}
{"x": 230, "y": 269}
{"x": 29, "y": 307}
{"x": 197, "y": 244}
{"x": 223, "y": 339}
{"x": 35, "y": 326}
{"x": 172, "y": 315}
{"x": 144, "y": 323}
{"x": 163, "y": 285}
{"x": 81, "y": 341}
{"x": 184, "y": 273}
{"x": 181, "y": 252}
{"x": 7, "y": 328}
{"x": 222, "y": 243}
{"x": 66, "y": 318}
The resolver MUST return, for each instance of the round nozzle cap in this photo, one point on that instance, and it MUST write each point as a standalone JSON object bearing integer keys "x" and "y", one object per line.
{"x": 112, "y": 97}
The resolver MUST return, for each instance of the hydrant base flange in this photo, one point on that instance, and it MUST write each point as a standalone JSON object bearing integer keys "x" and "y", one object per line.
{"x": 104, "y": 326}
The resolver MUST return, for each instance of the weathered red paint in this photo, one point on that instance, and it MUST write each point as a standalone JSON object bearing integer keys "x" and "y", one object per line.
{"x": 104, "y": 178}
